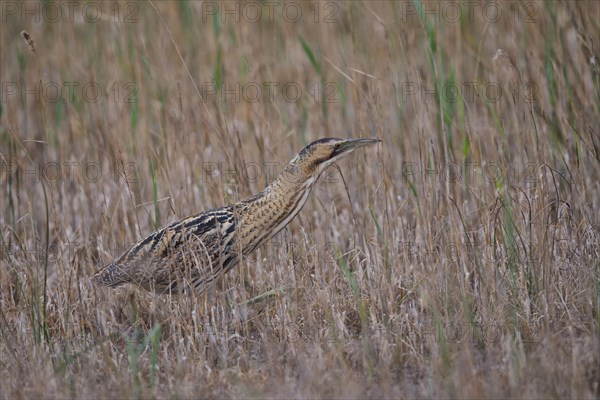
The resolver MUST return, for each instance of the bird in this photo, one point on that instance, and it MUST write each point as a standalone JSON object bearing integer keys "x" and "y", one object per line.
{"x": 191, "y": 254}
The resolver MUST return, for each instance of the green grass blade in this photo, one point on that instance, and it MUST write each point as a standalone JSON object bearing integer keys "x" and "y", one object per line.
{"x": 311, "y": 55}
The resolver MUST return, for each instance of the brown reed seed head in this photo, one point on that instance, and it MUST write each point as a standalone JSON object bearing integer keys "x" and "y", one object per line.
{"x": 29, "y": 40}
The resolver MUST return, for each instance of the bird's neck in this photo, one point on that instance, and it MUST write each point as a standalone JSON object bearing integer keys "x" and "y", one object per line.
{"x": 272, "y": 209}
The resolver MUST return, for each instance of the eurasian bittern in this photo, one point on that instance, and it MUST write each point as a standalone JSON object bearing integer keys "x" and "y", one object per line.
{"x": 196, "y": 251}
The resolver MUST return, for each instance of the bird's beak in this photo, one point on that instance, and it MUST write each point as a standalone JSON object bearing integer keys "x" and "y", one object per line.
{"x": 352, "y": 144}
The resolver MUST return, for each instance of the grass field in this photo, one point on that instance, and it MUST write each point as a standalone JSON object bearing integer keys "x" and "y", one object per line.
{"x": 458, "y": 258}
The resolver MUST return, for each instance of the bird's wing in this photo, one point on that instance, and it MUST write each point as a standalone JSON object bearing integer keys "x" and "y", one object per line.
{"x": 188, "y": 248}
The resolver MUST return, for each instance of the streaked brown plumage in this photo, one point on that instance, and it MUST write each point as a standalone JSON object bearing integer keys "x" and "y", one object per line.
{"x": 196, "y": 251}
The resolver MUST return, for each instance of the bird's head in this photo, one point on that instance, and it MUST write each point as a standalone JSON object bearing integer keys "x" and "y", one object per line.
{"x": 320, "y": 154}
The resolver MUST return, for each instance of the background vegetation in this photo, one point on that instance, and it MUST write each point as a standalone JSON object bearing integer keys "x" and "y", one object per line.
{"x": 459, "y": 258}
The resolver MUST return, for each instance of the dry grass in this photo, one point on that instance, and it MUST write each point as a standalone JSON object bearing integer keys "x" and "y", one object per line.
{"x": 459, "y": 259}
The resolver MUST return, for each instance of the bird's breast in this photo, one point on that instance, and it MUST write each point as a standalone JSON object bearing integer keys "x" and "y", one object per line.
{"x": 268, "y": 216}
